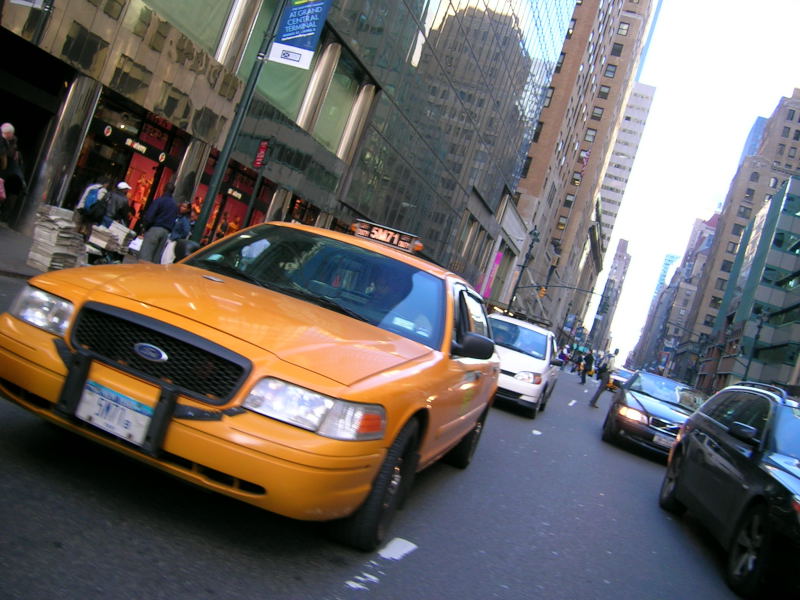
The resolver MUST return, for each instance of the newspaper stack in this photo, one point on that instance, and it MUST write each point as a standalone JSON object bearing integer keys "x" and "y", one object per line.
{"x": 114, "y": 238}
{"x": 56, "y": 241}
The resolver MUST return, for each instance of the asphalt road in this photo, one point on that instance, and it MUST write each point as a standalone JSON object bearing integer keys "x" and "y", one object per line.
{"x": 546, "y": 510}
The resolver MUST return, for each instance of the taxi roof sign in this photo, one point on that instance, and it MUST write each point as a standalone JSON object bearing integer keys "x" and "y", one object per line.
{"x": 387, "y": 235}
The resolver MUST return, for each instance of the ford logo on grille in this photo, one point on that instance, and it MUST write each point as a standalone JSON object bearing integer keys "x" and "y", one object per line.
{"x": 150, "y": 352}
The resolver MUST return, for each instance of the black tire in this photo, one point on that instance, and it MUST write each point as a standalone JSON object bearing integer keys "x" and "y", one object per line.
{"x": 749, "y": 553}
{"x": 367, "y": 527}
{"x": 549, "y": 392}
{"x": 461, "y": 454}
{"x": 609, "y": 434}
{"x": 667, "y": 498}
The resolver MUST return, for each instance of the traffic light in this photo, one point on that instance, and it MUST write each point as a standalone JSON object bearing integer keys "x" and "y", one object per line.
{"x": 542, "y": 292}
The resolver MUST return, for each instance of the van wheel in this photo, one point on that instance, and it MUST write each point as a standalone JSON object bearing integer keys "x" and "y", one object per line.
{"x": 461, "y": 454}
{"x": 367, "y": 527}
{"x": 534, "y": 410}
{"x": 749, "y": 552}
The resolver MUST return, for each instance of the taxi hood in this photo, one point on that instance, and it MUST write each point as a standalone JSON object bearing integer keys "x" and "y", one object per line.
{"x": 320, "y": 340}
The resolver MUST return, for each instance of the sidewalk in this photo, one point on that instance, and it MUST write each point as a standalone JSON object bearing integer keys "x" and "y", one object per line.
{"x": 14, "y": 248}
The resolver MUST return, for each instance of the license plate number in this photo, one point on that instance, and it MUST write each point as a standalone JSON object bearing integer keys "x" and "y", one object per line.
{"x": 115, "y": 413}
{"x": 663, "y": 440}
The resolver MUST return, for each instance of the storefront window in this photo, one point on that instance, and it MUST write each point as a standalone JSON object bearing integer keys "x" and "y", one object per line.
{"x": 202, "y": 21}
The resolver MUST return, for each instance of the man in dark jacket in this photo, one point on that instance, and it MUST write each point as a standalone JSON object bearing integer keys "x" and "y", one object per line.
{"x": 158, "y": 222}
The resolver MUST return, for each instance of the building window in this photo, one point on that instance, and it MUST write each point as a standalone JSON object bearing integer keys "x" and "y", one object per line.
{"x": 616, "y": 49}
{"x": 790, "y": 115}
{"x": 571, "y": 29}
{"x": 793, "y": 152}
{"x": 562, "y": 223}
{"x": 748, "y": 193}
{"x": 576, "y": 178}
{"x": 745, "y": 212}
{"x": 603, "y": 91}
{"x": 773, "y": 182}
{"x": 715, "y": 302}
{"x": 590, "y": 135}
{"x": 527, "y": 166}
{"x": 786, "y": 131}
{"x": 732, "y": 246}
{"x": 538, "y": 131}
{"x": 597, "y": 113}
{"x": 726, "y": 267}
{"x": 560, "y": 63}
{"x": 548, "y": 96}
{"x": 623, "y": 28}
{"x": 569, "y": 199}
{"x": 721, "y": 283}
{"x": 781, "y": 149}
{"x": 737, "y": 229}
{"x": 796, "y": 135}
{"x": 611, "y": 70}
{"x": 709, "y": 321}
{"x": 754, "y": 176}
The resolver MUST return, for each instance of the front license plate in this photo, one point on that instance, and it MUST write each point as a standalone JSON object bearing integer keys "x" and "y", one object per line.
{"x": 663, "y": 440}
{"x": 115, "y": 413}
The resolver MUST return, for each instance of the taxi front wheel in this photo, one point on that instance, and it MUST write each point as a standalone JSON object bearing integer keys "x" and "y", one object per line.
{"x": 366, "y": 528}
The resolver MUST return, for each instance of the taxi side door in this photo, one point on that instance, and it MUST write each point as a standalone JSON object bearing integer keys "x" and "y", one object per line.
{"x": 467, "y": 384}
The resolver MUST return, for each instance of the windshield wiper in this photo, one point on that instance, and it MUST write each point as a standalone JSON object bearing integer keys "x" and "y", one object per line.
{"x": 299, "y": 292}
{"x": 224, "y": 269}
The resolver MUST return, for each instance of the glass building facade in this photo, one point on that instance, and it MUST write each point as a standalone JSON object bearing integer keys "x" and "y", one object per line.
{"x": 414, "y": 113}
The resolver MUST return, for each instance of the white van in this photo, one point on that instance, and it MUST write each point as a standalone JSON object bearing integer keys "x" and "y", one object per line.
{"x": 529, "y": 363}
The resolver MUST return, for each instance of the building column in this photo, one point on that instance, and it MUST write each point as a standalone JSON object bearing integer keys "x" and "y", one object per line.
{"x": 191, "y": 169}
{"x": 56, "y": 164}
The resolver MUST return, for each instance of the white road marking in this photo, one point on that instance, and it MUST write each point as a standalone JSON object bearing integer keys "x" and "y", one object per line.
{"x": 572, "y": 403}
{"x": 395, "y": 550}
{"x": 536, "y": 432}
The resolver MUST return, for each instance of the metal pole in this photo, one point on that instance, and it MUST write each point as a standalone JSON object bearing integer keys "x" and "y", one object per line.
{"x": 236, "y": 124}
{"x": 534, "y": 238}
{"x": 753, "y": 347}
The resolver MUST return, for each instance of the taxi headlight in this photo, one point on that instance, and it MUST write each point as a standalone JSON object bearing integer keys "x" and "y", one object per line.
{"x": 43, "y": 310}
{"x": 529, "y": 377}
{"x": 633, "y": 414}
{"x": 330, "y": 417}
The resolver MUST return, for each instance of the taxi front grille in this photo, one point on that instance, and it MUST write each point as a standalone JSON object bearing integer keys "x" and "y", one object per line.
{"x": 187, "y": 362}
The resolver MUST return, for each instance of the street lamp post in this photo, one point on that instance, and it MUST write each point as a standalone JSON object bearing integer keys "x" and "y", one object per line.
{"x": 762, "y": 318}
{"x": 534, "y": 235}
{"x": 233, "y": 133}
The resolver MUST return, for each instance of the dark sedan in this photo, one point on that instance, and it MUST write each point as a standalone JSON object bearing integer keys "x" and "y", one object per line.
{"x": 648, "y": 410}
{"x": 736, "y": 466}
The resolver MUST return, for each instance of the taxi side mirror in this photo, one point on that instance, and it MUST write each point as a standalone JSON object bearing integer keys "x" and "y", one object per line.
{"x": 474, "y": 345}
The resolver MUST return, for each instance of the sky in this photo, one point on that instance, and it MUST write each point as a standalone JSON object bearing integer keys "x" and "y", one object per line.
{"x": 716, "y": 66}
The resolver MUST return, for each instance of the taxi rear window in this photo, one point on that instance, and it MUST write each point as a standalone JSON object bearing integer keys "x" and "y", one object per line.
{"x": 363, "y": 284}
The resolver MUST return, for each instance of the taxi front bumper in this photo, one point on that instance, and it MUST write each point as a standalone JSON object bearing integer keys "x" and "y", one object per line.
{"x": 230, "y": 452}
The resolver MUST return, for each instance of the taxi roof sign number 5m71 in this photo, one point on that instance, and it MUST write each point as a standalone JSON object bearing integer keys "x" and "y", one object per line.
{"x": 298, "y": 32}
{"x": 386, "y": 235}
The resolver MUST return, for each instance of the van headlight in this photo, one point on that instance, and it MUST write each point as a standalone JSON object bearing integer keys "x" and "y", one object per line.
{"x": 43, "y": 310}
{"x": 327, "y": 416}
{"x": 529, "y": 377}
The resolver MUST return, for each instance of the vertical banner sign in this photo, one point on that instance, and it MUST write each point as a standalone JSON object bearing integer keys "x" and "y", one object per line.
{"x": 261, "y": 154}
{"x": 298, "y": 32}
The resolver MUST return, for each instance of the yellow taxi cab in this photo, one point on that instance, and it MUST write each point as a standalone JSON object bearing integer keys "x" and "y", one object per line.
{"x": 304, "y": 371}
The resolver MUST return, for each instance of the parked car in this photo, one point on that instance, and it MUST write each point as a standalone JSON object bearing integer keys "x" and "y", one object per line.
{"x": 648, "y": 410}
{"x": 304, "y": 371}
{"x": 736, "y": 466}
{"x": 529, "y": 366}
{"x": 618, "y": 376}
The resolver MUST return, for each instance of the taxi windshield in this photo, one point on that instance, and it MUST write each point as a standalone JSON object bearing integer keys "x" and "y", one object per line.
{"x": 360, "y": 283}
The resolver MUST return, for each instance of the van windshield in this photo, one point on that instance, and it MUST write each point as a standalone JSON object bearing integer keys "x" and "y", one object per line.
{"x": 521, "y": 339}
